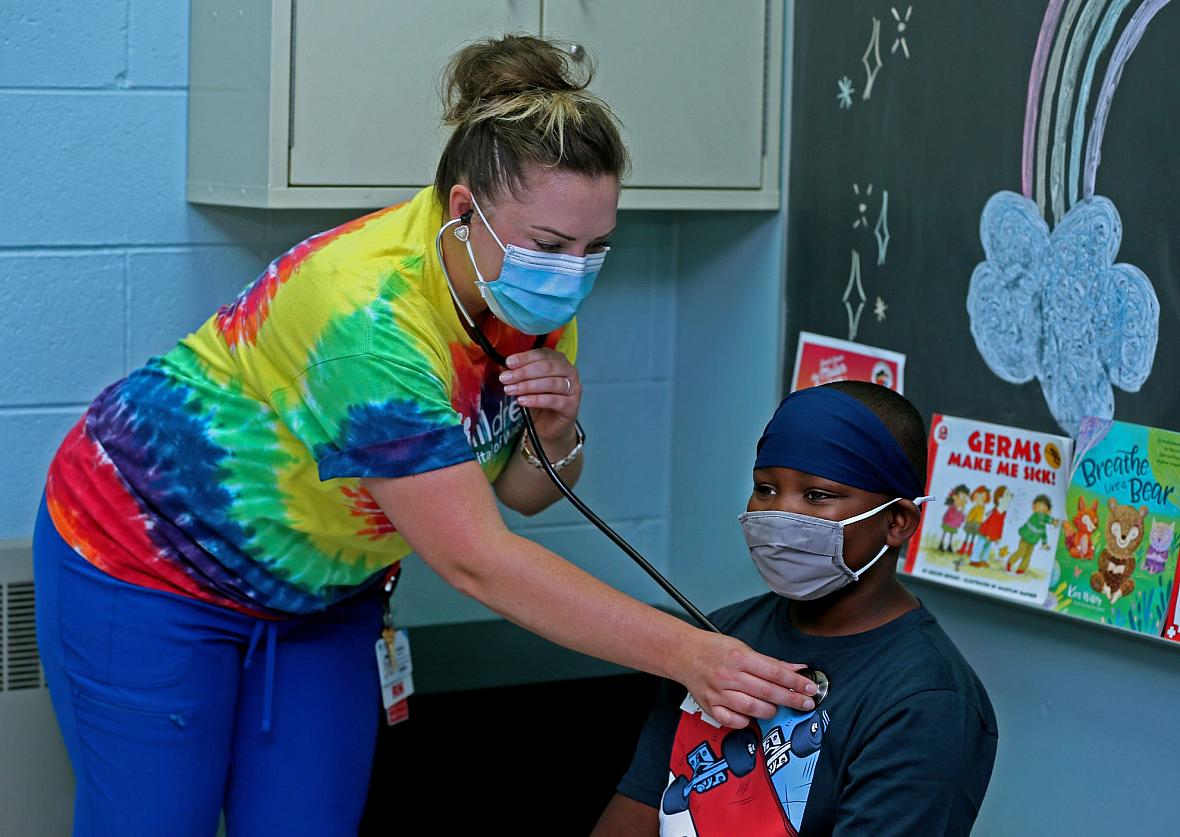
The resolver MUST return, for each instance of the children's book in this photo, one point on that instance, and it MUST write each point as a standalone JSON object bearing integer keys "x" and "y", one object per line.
{"x": 821, "y": 360}
{"x": 998, "y": 508}
{"x": 1116, "y": 561}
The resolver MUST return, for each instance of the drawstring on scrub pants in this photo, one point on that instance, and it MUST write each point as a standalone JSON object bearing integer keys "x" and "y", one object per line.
{"x": 269, "y": 684}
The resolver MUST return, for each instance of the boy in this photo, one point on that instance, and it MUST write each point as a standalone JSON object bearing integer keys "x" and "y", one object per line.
{"x": 905, "y": 739}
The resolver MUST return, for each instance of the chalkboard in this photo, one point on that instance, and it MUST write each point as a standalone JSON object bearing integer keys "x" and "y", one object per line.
{"x": 907, "y": 119}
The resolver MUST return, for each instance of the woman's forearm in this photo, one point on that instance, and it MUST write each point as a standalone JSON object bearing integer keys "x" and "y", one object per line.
{"x": 449, "y": 518}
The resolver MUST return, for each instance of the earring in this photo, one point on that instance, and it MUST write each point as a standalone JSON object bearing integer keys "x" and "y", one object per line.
{"x": 462, "y": 232}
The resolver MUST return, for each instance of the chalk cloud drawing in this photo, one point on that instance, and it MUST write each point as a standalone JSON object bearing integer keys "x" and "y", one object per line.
{"x": 844, "y": 96}
{"x": 873, "y": 49}
{"x": 1055, "y": 306}
{"x": 879, "y": 308}
{"x": 854, "y": 291}
{"x": 902, "y": 23}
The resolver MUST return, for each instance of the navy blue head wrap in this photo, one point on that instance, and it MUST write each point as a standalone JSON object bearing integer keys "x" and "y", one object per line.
{"x": 829, "y": 434}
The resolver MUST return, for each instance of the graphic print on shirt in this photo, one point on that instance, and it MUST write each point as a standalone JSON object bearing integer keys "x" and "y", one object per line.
{"x": 490, "y": 417}
{"x": 752, "y": 781}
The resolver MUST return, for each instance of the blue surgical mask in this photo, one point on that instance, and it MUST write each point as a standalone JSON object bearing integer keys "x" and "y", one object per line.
{"x": 536, "y": 292}
{"x": 802, "y": 557}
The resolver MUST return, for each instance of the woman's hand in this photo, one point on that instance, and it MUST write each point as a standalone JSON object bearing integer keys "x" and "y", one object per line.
{"x": 546, "y": 382}
{"x": 732, "y": 682}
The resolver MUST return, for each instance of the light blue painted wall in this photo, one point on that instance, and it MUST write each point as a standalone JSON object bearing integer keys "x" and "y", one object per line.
{"x": 1087, "y": 716}
{"x": 103, "y": 264}
{"x": 728, "y": 356}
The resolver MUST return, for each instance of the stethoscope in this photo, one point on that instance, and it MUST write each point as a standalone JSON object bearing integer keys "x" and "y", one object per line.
{"x": 817, "y": 677}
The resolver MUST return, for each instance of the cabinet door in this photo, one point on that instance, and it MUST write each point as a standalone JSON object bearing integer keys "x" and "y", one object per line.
{"x": 365, "y": 101}
{"x": 686, "y": 78}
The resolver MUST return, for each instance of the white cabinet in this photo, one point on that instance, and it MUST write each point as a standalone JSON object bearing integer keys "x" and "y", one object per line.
{"x": 311, "y": 103}
{"x": 686, "y": 80}
{"x": 366, "y": 105}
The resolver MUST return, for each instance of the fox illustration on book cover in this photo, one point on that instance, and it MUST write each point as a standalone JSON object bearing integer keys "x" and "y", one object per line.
{"x": 1080, "y": 531}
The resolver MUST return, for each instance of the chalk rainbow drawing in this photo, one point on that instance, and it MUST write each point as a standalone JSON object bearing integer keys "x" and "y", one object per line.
{"x": 1054, "y": 305}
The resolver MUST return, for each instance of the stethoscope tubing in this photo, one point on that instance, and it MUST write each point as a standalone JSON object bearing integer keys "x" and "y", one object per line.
{"x": 619, "y": 541}
{"x": 535, "y": 440}
{"x": 818, "y": 677}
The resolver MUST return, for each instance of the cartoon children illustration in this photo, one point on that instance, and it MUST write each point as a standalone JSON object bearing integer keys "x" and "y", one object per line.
{"x": 992, "y": 529}
{"x": 1033, "y": 531}
{"x": 979, "y": 498}
{"x": 953, "y": 517}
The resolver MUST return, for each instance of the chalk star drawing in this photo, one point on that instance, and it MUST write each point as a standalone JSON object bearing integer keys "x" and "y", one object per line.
{"x": 901, "y": 25}
{"x": 854, "y": 285}
{"x": 873, "y": 49}
{"x": 881, "y": 230}
{"x": 861, "y": 206}
{"x": 844, "y": 97}
{"x": 879, "y": 309}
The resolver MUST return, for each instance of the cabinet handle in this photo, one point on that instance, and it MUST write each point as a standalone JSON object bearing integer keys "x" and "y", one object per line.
{"x": 577, "y": 52}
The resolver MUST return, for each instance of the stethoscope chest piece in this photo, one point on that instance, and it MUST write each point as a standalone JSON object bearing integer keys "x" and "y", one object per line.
{"x": 822, "y": 684}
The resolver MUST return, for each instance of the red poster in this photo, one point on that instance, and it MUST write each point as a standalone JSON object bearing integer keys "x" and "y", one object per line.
{"x": 821, "y": 360}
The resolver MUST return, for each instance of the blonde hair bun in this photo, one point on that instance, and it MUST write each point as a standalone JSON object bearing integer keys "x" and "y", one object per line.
{"x": 521, "y": 100}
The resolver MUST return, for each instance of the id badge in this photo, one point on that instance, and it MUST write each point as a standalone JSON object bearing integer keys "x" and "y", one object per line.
{"x": 394, "y": 666}
{"x": 395, "y": 671}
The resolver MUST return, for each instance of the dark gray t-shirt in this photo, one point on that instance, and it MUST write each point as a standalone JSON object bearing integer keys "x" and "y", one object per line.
{"x": 903, "y": 744}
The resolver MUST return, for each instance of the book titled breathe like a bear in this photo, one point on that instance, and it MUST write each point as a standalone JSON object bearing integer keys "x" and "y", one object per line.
{"x": 1116, "y": 559}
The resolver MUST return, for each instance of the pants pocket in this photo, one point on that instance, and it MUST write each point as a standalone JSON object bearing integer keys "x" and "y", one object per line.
{"x": 119, "y": 634}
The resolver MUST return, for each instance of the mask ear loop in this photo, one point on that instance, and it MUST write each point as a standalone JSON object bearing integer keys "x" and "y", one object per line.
{"x": 484, "y": 218}
{"x": 918, "y": 501}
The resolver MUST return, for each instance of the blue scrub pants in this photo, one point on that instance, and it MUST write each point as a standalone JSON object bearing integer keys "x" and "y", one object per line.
{"x": 173, "y": 709}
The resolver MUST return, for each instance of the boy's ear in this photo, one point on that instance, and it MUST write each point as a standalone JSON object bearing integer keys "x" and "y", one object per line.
{"x": 904, "y": 519}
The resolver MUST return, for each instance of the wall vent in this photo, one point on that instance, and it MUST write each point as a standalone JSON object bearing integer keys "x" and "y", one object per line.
{"x": 20, "y": 662}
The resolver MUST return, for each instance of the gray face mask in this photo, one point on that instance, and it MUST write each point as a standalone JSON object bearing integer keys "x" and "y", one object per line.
{"x": 802, "y": 557}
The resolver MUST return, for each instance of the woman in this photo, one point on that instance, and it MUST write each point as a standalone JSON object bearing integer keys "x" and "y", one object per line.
{"x": 215, "y": 531}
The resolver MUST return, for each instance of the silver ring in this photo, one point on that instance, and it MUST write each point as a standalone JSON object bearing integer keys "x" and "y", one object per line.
{"x": 568, "y": 385}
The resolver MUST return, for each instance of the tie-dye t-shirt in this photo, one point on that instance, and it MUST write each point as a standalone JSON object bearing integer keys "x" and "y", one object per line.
{"x": 228, "y": 469}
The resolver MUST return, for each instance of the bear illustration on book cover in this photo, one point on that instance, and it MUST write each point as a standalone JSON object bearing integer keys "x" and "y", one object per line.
{"x": 1116, "y": 560}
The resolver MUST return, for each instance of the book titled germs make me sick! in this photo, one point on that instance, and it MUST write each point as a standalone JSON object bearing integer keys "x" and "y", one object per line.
{"x": 999, "y": 494}
{"x": 1117, "y": 555}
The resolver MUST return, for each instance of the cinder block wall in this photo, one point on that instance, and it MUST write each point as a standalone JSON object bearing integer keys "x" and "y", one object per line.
{"x": 103, "y": 264}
